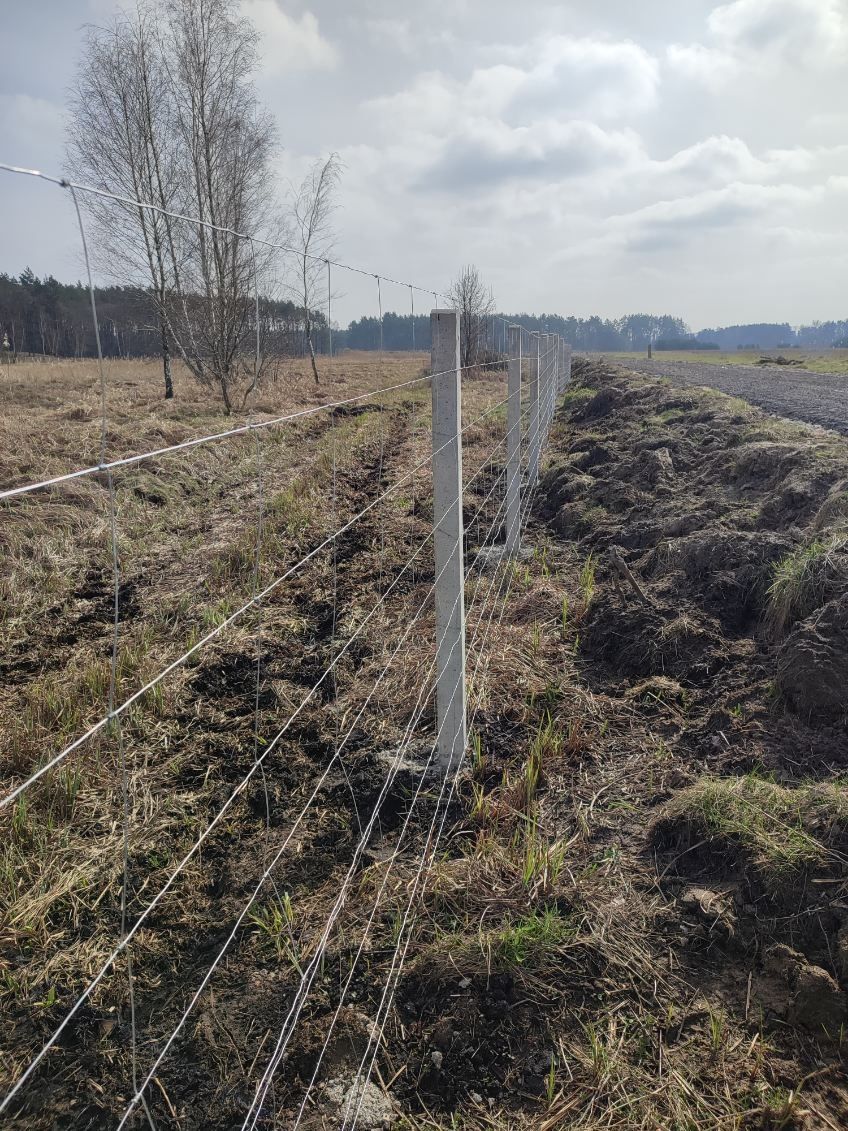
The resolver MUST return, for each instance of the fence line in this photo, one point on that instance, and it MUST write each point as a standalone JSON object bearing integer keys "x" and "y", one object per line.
{"x": 446, "y": 674}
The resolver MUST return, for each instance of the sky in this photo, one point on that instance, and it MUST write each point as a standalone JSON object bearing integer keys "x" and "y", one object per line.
{"x": 590, "y": 157}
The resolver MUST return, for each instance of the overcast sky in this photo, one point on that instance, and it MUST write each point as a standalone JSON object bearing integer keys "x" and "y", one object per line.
{"x": 598, "y": 156}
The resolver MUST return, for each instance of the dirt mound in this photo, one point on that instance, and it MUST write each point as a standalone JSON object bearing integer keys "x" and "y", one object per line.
{"x": 728, "y": 570}
{"x": 812, "y": 665}
{"x": 607, "y": 400}
{"x": 637, "y": 639}
{"x": 764, "y": 463}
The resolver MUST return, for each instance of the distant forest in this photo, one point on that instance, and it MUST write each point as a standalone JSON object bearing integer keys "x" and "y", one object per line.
{"x": 44, "y": 316}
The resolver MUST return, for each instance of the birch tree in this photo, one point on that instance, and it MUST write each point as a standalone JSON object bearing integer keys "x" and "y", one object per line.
{"x": 313, "y": 205}
{"x": 475, "y": 303}
{"x": 165, "y": 111}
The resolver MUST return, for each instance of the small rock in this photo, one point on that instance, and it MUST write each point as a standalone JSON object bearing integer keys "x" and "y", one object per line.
{"x": 464, "y": 983}
{"x": 712, "y": 907}
{"x": 475, "y": 1097}
{"x": 437, "y": 1058}
{"x": 376, "y": 1112}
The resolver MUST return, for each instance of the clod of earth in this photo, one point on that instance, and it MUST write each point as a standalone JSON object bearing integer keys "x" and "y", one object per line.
{"x": 806, "y": 995}
{"x": 812, "y": 665}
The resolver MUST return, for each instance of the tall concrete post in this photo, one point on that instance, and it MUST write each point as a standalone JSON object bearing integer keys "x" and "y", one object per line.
{"x": 554, "y": 372}
{"x": 447, "y": 538}
{"x": 513, "y": 444}
{"x": 550, "y": 340}
{"x": 534, "y": 423}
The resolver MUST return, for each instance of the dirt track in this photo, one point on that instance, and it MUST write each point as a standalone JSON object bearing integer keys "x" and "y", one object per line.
{"x": 817, "y": 398}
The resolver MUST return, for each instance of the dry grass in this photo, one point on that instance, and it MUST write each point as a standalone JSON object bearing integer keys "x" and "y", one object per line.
{"x": 804, "y": 580}
{"x": 781, "y": 832}
{"x": 187, "y": 528}
{"x": 819, "y": 361}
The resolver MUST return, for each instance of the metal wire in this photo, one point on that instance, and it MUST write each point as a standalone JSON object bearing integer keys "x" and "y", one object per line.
{"x": 214, "y": 632}
{"x": 238, "y": 790}
{"x": 105, "y": 194}
{"x": 294, "y": 1012}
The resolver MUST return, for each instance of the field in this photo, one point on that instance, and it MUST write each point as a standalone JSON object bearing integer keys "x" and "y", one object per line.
{"x": 636, "y": 916}
{"x": 816, "y": 361}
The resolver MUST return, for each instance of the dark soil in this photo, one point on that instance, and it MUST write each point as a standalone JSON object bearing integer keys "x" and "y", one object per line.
{"x": 798, "y": 393}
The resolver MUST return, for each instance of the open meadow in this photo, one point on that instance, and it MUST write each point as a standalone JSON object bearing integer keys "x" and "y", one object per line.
{"x": 816, "y": 361}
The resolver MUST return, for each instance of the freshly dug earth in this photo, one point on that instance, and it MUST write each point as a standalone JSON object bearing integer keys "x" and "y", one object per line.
{"x": 642, "y": 919}
{"x": 798, "y": 393}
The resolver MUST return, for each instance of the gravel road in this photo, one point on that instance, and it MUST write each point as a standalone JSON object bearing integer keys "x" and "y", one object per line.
{"x": 818, "y": 398}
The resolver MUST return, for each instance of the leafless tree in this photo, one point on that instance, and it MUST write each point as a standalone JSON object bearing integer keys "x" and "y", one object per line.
{"x": 475, "y": 303}
{"x": 228, "y": 140}
{"x": 165, "y": 111}
{"x": 121, "y": 140}
{"x": 313, "y": 204}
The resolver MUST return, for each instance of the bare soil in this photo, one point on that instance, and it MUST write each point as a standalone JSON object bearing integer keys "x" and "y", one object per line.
{"x": 797, "y": 393}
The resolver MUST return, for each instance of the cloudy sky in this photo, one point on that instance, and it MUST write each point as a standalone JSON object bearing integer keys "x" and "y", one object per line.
{"x": 591, "y": 157}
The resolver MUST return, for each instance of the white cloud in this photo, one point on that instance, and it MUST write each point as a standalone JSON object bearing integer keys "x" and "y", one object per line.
{"x": 788, "y": 26}
{"x": 556, "y": 78}
{"x": 287, "y": 43}
{"x": 487, "y": 153}
{"x": 753, "y": 38}
{"x": 564, "y": 74}
{"x": 709, "y": 66}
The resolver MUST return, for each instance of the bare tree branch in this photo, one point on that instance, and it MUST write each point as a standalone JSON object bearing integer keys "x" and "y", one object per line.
{"x": 313, "y": 204}
{"x": 475, "y": 303}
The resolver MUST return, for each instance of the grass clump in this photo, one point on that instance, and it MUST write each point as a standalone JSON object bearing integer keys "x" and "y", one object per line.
{"x": 803, "y": 580}
{"x": 781, "y": 832}
{"x": 530, "y": 939}
{"x": 530, "y": 943}
{"x": 576, "y": 396}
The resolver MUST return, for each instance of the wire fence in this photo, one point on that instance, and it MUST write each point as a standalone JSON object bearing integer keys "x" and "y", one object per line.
{"x": 334, "y": 515}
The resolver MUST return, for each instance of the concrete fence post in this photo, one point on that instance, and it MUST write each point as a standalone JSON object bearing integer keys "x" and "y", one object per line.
{"x": 534, "y": 424}
{"x": 552, "y": 380}
{"x": 543, "y": 391}
{"x": 554, "y": 372}
{"x": 447, "y": 538}
{"x": 513, "y": 444}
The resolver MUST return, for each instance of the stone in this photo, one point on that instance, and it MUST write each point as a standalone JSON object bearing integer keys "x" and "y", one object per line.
{"x": 376, "y": 1111}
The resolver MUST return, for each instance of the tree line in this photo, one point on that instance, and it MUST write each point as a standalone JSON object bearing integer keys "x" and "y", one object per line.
{"x": 45, "y": 316}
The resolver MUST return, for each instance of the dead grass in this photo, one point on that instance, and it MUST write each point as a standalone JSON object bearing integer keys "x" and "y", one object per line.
{"x": 188, "y": 545}
{"x": 819, "y": 361}
{"x": 751, "y": 821}
{"x": 803, "y": 581}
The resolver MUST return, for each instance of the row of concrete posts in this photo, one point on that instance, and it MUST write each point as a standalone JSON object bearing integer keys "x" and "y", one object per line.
{"x": 544, "y": 360}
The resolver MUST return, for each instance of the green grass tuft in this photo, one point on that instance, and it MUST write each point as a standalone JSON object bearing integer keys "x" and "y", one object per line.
{"x": 802, "y": 581}
{"x": 782, "y": 832}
